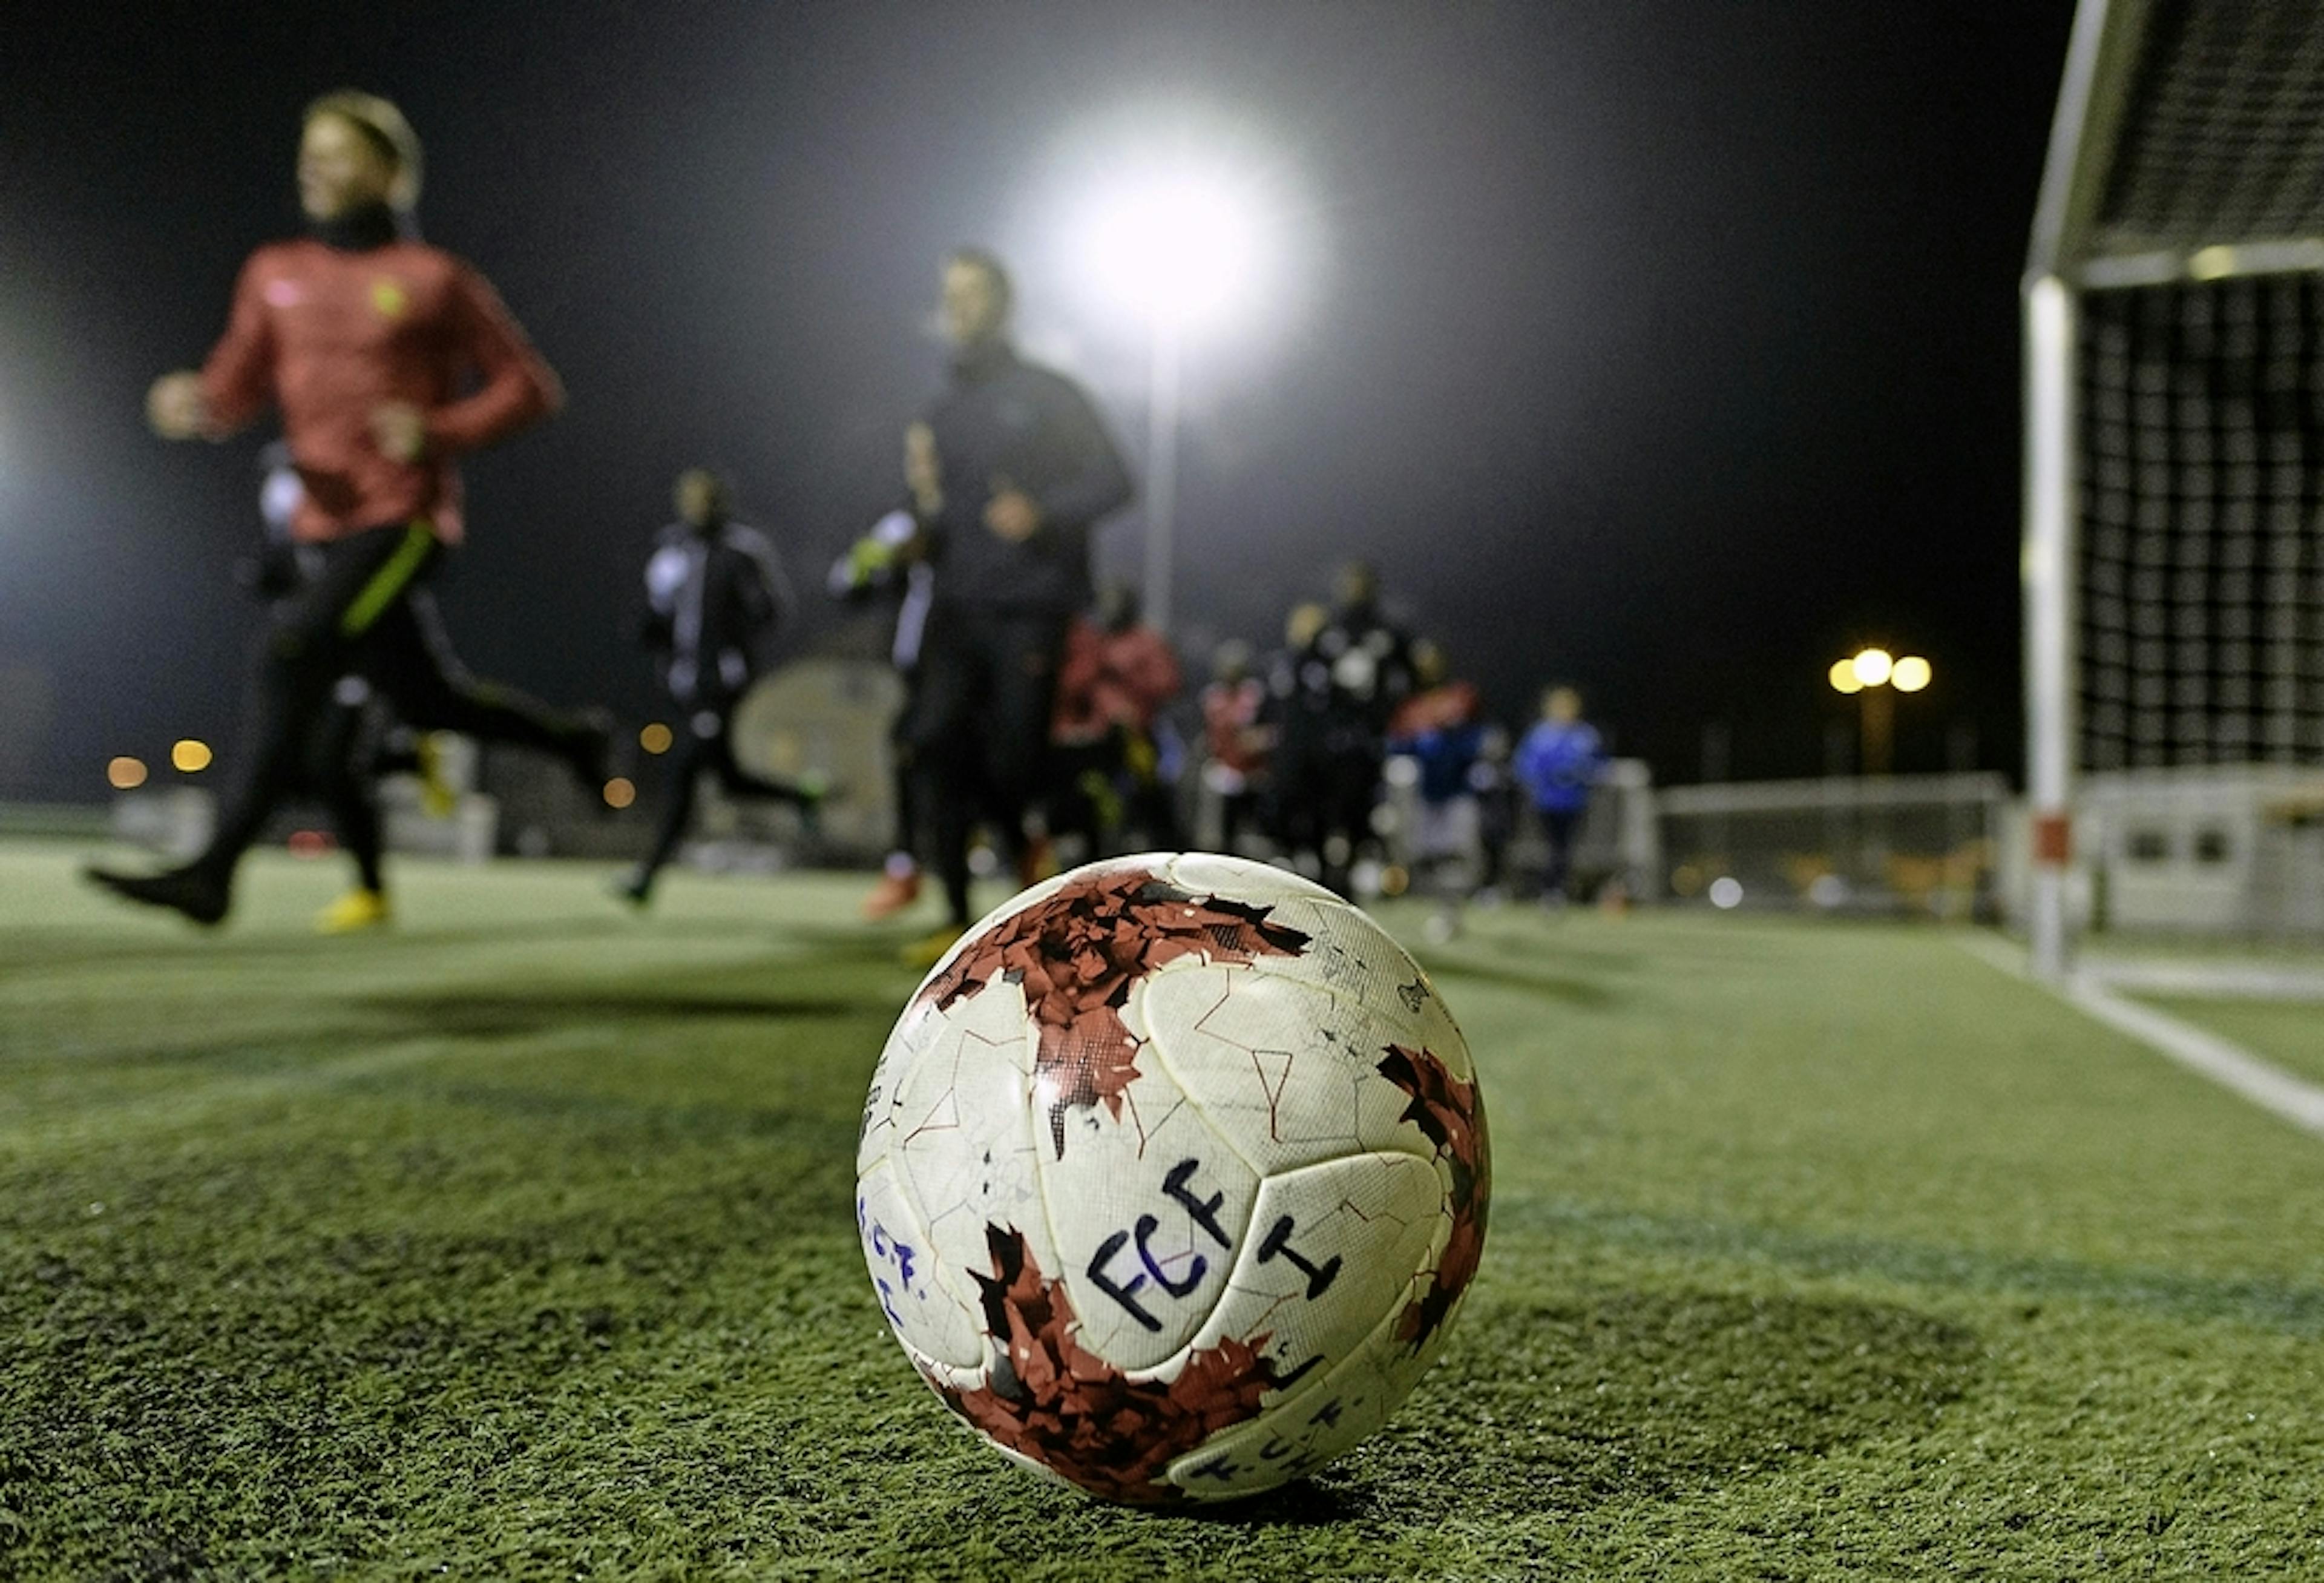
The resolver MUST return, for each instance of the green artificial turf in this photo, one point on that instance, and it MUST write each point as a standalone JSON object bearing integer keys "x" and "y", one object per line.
{"x": 517, "y": 1241}
{"x": 2286, "y": 1033}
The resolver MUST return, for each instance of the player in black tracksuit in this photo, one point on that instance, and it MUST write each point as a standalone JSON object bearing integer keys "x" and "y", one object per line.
{"x": 715, "y": 594}
{"x": 1009, "y": 471}
{"x": 1332, "y": 693}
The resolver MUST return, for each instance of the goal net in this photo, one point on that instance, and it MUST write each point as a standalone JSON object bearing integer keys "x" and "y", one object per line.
{"x": 2174, "y": 550}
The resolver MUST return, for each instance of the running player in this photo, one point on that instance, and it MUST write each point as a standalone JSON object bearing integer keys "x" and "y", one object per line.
{"x": 887, "y": 562}
{"x": 1009, "y": 471}
{"x": 358, "y": 740}
{"x": 367, "y": 339}
{"x": 715, "y": 595}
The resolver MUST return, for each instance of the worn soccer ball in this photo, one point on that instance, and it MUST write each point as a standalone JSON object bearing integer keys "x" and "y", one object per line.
{"x": 1172, "y": 1176}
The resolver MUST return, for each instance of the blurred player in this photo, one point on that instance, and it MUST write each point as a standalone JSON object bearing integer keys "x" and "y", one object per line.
{"x": 357, "y": 740}
{"x": 715, "y": 595}
{"x": 1239, "y": 742}
{"x": 1559, "y": 763}
{"x": 1333, "y": 691}
{"x": 367, "y": 339}
{"x": 1009, "y": 471}
{"x": 887, "y": 561}
{"x": 1111, "y": 743}
{"x": 1438, "y": 728}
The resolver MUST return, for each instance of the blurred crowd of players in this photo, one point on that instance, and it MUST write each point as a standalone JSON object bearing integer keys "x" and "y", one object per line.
{"x": 1042, "y": 721}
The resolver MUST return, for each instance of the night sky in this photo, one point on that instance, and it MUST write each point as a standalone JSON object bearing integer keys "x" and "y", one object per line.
{"x": 1666, "y": 347}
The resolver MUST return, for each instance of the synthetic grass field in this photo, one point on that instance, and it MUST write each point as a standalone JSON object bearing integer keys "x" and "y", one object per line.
{"x": 519, "y": 1243}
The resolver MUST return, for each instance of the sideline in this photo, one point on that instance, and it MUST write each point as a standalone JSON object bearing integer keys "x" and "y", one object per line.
{"x": 2206, "y": 1054}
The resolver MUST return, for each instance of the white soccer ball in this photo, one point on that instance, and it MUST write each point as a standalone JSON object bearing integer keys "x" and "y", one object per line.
{"x": 1172, "y": 1176}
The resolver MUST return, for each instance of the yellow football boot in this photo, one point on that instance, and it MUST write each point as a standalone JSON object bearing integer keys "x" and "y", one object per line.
{"x": 353, "y": 914}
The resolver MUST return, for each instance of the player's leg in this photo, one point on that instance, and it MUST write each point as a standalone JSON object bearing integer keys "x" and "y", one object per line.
{"x": 684, "y": 769}
{"x": 899, "y": 876}
{"x": 1557, "y": 829}
{"x": 1020, "y": 664}
{"x": 409, "y": 656}
{"x": 736, "y": 781}
{"x": 941, "y": 736}
{"x": 303, "y": 653}
{"x": 343, "y": 769}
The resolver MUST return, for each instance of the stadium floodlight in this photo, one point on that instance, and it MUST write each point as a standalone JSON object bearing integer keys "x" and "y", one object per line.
{"x": 1184, "y": 247}
{"x": 1873, "y": 677}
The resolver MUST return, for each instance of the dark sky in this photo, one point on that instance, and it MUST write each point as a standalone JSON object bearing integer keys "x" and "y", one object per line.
{"x": 1666, "y": 346}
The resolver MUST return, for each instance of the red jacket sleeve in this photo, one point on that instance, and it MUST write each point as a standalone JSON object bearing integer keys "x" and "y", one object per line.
{"x": 519, "y": 389}
{"x": 238, "y": 378}
{"x": 1154, "y": 672}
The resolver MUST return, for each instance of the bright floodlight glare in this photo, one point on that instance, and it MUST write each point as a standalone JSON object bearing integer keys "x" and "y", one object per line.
{"x": 189, "y": 756}
{"x": 1843, "y": 676}
{"x": 1911, "y": 674}
{"x": 1182, "y": 247}
{"x": 1872, "y": 666}
{"x": 1726, "y": 893}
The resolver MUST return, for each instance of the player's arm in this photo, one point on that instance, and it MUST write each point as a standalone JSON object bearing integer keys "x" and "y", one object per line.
{"x": 235, "y": 384}
{"x": 518, "y": 388}
{"x": 1092, "y": 479}
{"x": 767, "y": 590}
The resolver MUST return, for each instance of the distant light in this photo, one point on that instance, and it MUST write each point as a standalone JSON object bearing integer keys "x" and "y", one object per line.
{"x": 308, "y": 843}
{"x": 2212, "y": 263}
{"x": 1911, "y": 674}
{"x": 655, "y": 737}
{"x": 619, "y": 792}
{"x": 1180, "y": 246}
{"x": 189, "y": 755}
{"x": 1726, "y": 892}
{"x": 1872, "y": 666}
{"x": 1843, "y": 676}
{"x": 1828, "y": 890}
{"x": 125, "y": 774}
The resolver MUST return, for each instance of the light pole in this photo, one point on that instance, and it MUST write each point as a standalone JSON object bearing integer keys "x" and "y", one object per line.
{"x": 1875, "y": 678}
{"x": 1162, "y": 471}
{"x": 1180, "y": 250}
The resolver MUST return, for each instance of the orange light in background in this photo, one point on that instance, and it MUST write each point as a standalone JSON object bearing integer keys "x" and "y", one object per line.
{"x": 308, "y": 843}
{"x": 619, "y": 793}
{"x": 125, "y": 774}
{"x": 189, "y": 755}
{"x": 655, "y": 737}
{"x": 1843, "y": 676}
{"x": 1872, "y": 666}
{"x": 1911, "y": 674}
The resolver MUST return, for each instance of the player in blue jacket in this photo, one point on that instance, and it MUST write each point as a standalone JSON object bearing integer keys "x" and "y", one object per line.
{"x": 1558, "y": 763}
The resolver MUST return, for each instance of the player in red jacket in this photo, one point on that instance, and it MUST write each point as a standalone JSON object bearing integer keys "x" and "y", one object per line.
{"x": 387, "y": 358}
{"x": 1109, "y": 747}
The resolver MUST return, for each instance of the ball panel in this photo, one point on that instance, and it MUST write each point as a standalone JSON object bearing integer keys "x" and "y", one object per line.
{"x": 1283, "y": 1068}
{"x": 1147, "y": 1209}
{"x": 962, "y": 1139}
{"x": 1217, "y": 874}
{"x": 931, "y": 1316}
{"x": 1332, "y": 1249}
{"x": 1296, "y": 1434}
{"x": 1363, "y": 963}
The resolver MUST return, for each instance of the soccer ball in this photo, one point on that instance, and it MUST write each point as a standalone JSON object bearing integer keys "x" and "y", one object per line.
{"x": 1172, "y": 1176}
